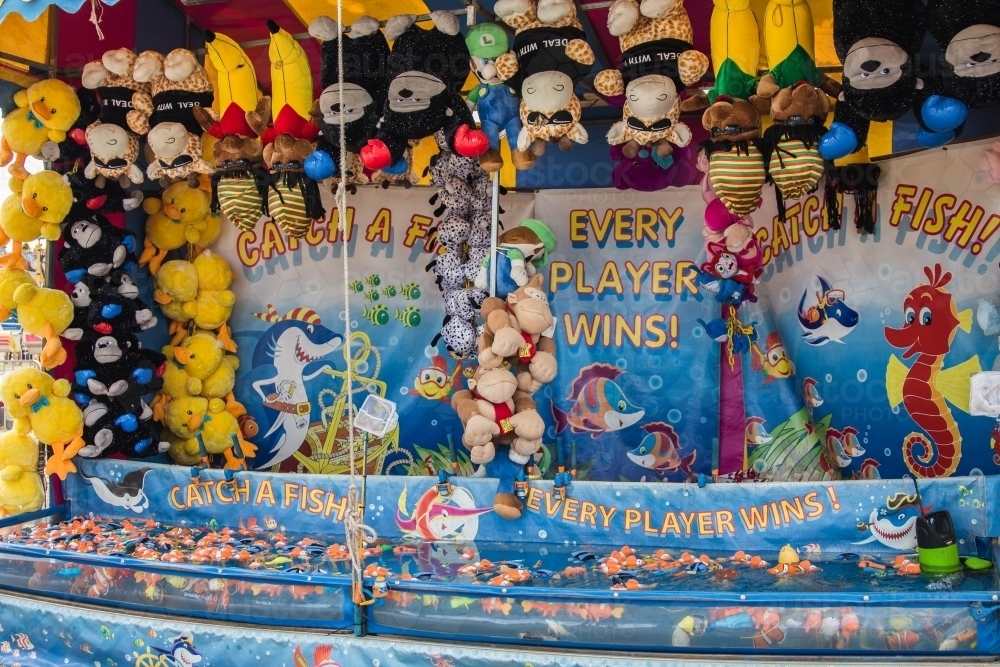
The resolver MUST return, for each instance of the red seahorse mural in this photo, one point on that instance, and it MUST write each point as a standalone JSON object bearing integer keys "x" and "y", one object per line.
{"x": 930, "y": 321}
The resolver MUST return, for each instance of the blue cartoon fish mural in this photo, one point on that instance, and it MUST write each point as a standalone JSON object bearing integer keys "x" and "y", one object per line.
{"x": 831, "y": 319}
{"x": 659, "y": 451}
{"x": 884, "y": 529}
{"x": 293, "y": 343}
{"x": 598, "y": 404}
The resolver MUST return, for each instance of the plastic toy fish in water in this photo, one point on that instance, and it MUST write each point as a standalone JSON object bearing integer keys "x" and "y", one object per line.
{"x": 583, "y": 556}
{"x": 660, "y": 450}
{"x": 831, "y": 319}
{"x": 598, "y": 404}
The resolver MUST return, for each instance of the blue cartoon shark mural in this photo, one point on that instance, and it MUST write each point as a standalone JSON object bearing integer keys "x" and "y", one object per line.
{"x": 830, "y": 319}
{"x": 289, "y": 354}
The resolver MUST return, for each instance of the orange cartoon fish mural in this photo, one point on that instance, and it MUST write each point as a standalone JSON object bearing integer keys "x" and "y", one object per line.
{"x": 598, "y": 404}
{"x": 659, "y": 451}
{"x": 930, "y": 322}
{"x": 436, "y": 382}
{"x": 773, "y": 360}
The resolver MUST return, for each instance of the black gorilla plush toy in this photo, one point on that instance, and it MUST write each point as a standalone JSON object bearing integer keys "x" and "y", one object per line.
{"x": 93, "y": 246}
{"x": 366, "y": 83}
{"x": 968, "y": 32}
{"x": 879, "y": 41}
{"x": 427, "y": 69}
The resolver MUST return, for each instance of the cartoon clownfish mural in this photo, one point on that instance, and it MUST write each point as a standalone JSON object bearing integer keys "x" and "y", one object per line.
{"x": 436, "y": 382}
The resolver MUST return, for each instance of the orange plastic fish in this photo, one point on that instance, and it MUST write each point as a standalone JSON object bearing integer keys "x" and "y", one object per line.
{"x": 491, "y": 605}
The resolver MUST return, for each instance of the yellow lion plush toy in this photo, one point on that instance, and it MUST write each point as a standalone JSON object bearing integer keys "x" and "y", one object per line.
{"x": 215, "y": 299}
{"x": 36, "y": 208}
{"x": 21, "y": 487}
{"x": 46, "y": 112}
{"x": 45, "y": 312}
{"x": 176, "y": 219}
{"x": 39, "y": 405}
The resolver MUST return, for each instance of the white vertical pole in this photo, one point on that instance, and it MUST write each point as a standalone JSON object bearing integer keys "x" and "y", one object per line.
{"x": 493, "y": 233}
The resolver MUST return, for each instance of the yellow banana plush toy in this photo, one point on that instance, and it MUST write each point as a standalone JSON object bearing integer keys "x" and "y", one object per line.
{"x": 293, "y": 199}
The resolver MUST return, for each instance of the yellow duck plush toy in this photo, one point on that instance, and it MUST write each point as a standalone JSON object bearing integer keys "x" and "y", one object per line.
{"x": 190, "y": 416}
{"x": 45, "y": 312}
{"x": 212, "y": 372}
{"x": 175, "y": 220}
{"x": 215, "y": 299}
{"x": 21, "y": 487}
{"x": 10, "y": 280}
{"x": 36, "y": 208}
{"x": 39, "y": 405}
{"x": 45, "y": 113}
{"x": 176, "y": 290}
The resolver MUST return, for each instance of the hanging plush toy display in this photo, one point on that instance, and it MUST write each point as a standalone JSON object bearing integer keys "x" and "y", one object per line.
{"x": 366, "y": 55}
{"x": 178, "y": 85}
{"x": 516, "y": 358}
{"x": 427, "y": 69}
{"x": 733, "y": 163}
{"x": 238, "y": 182}
{"x": 549, "y": 59}
{"x": 293, "y": 199}
{"x": 463, "y": 234}
{"x": 34, "y": 209}
{"x": 968, "y": 34}
{"x": 45, "y": 112}
{"x": 522, "y": 252}
{"x": 113, "y": 139}
{"x": 658, "y": 62}
{"x": 797, "y": 92}
{"x": 879, "y": 41}
{"x": 497, "y": 103}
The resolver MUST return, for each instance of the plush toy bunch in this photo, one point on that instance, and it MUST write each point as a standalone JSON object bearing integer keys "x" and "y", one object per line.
{"x": 427, "y": 69}
{"x": 463, "y": 236}
{"x": 21, "y": 487}
{"x": 200, "y": 364}
{"x": 516, "y": 358}
{"x": 178, "y": 84}
{"x": 113, "y": 373}
{"x": 549, "y": 58}
{"x": 238, "y": 182}
{"x": 732, "y": 160}
{"x": 498, "y": 104}
{"x": 357, "y": 104}
{"x": 879, "y": 43}
{"x": 45, "y": 112}
{"x": 113, "y": 138}
{"x": 658, "y": 62}
{"x": 34, "y": 210}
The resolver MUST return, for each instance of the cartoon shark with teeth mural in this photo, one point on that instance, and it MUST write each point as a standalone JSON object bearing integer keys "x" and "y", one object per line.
{"x": 903, "y": 536}
{"x": 294, "y": 343}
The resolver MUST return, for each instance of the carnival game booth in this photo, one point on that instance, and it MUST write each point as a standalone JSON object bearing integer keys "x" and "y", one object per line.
{"x": 554, "y": 325}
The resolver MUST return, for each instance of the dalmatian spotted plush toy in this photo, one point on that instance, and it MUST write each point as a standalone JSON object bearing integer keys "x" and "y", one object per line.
{"x": 658, "y": 62}
{"x": 549, "y": 58}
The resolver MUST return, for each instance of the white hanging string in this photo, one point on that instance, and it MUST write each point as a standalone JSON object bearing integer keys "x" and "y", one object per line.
{"x": 354, "y": 526}
{"x": 95, "y": 19}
